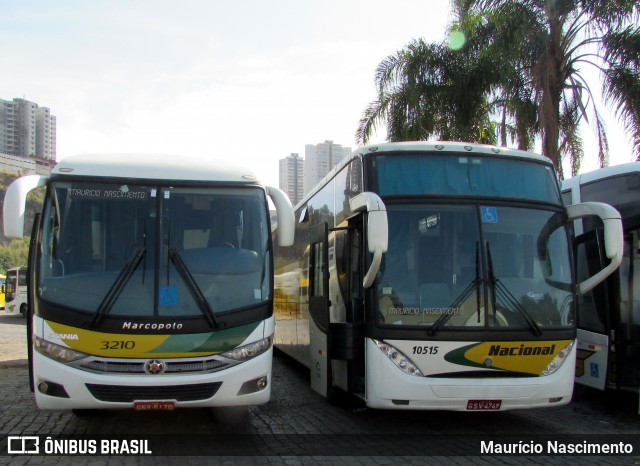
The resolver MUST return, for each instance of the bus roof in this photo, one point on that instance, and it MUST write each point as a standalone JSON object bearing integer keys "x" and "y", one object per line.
{"x": 447, "y": 146}
{"x": 154, "y": 167}
{"x": 601, "y": 174}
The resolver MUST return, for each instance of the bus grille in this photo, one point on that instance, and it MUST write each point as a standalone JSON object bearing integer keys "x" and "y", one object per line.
{"x": 129, "y": 394}
{"x": 137, "y": 367}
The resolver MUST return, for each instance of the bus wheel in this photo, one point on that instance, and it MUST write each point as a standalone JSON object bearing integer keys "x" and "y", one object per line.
{"x": 23, "y": 310}
{"x": 231, "y": 415}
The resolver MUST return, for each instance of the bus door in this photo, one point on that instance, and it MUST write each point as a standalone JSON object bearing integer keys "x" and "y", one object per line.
{"x": 626, "y": 321}
{"x": 592, "y": 359}
{"x": 347, "y": 323}
{"x": 319, "y": 303}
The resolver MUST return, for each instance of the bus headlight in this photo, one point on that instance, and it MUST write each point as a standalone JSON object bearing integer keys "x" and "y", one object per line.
{"x": 242, "y": 353}
{"x": 56, "y": 352}
{"x": 399, "y": 359}
{"x": 558, "y": 361}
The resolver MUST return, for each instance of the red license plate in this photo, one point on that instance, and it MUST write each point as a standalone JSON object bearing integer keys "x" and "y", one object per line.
{"x": 154, "y": 405}
{"x": 484, "y": 405}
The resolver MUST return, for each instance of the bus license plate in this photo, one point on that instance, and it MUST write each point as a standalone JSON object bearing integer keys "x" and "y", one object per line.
{"x": 484, "y": 405}
{"x": 154, "y": 405}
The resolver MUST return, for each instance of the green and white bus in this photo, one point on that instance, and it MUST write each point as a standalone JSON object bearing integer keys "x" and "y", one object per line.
{"x": 608, "y": 315}
{"x": 437, "y": 276}
{"x": 150, "y": 282}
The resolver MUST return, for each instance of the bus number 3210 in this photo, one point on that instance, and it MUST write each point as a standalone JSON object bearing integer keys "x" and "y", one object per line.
{"x": 113, "y": 345}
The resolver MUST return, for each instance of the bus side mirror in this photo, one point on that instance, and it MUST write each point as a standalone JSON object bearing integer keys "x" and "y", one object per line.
{"x": 286, "y": 217}
{"x": 377, "y": 230}
{"x": 15, "y": 200}
{"x": 613, "y": 238}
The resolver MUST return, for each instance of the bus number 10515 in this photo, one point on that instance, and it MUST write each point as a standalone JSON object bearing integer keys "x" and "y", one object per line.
{"x": 425, "y": 350}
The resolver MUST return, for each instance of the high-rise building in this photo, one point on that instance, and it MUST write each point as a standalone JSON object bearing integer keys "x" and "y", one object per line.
{"x": 292, "y": 177}
{"x": 27, "y": 130}
{"x": 319, "y": 160}
{"x": 45, "y": 134}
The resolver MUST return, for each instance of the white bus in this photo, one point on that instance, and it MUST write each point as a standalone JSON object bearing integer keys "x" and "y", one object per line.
{"x": 609, "y": 314}
{"x": 150, "y": 283}
{"x": 15, "y": 291}
{"x": 437, "y": 276}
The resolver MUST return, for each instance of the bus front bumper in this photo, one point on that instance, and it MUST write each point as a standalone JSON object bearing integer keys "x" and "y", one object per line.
{"x": 390, "y": 388}
{"x": 59, "y": 386}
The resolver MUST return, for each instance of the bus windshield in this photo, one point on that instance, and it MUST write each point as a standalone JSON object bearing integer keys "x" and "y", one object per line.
{"x": 123, "y": 250}
{"x": 448, "y": 175}
{"x": 475, "y": 265}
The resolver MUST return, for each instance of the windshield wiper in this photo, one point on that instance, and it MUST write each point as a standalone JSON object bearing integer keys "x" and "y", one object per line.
{"x": 508, "y": 300}
{"x": 193, "y": 287}
{"x": 461, "y": 298}
{"x": 118, "y": 285}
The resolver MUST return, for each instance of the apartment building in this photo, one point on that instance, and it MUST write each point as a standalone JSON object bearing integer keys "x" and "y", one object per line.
{"x": 292, "y": 177}
{"x": 27, "y": 130}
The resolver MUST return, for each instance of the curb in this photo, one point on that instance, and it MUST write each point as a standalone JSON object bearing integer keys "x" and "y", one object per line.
{"x": 14, "y": 363}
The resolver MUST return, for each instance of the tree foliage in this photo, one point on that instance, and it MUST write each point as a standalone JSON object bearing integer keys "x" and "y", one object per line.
{"x": 519, "y": 75}
{"x": 14, "y": 254}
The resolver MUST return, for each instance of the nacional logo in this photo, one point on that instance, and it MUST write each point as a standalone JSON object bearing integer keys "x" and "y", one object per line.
{"x": 155, "y": 366}
{"x": 522, "y": 350}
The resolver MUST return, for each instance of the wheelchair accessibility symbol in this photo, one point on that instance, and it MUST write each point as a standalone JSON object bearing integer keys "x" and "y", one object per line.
{"x": 168, "y": 296}
{"x": 489, "y": 214}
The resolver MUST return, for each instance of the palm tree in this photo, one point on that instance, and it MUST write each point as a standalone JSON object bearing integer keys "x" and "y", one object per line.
{"x": 545, "y": 43}
{"x": 518, "y": 76}
{"x": 427, "y": 90}
{"x": 455, "y": 93}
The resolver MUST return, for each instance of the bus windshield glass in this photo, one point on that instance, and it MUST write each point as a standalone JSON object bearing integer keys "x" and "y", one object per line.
{"x": 475, "y": 265}
{"x": 123, "y": 250}
{"x": 453, "y": 175}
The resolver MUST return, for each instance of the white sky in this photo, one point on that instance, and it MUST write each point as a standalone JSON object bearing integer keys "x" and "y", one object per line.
{"x": 247, "y": 80}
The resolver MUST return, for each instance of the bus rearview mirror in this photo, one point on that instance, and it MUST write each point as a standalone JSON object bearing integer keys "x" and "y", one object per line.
{"x": 15, "y": 200}
{"x": 377, "y": 230}
{"x": 613, "y": 238}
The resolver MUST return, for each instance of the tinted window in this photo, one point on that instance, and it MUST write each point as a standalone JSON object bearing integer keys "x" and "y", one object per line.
{"x": 463, "y": 175}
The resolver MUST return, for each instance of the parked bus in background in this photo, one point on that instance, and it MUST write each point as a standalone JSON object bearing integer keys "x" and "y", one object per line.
{"x": 2, "y": 291}
{"x": 439, "y": 277}
{"x": 609, "y": 314}
{"x": 150, "y": 283}
{"x": 15, "y": 293}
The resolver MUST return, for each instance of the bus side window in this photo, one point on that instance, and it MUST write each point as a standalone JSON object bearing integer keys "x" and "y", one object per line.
{"x": 342, "y": 262}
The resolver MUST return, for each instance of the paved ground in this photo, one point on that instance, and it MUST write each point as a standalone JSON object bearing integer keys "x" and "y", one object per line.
{"x": 13, "y": 337}
{"x": 299, "y": 427}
